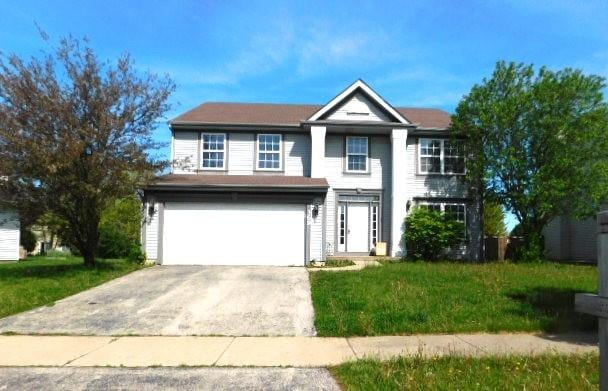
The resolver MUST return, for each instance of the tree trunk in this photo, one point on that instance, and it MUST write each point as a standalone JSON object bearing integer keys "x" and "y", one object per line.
{"x": 89, "y": 258}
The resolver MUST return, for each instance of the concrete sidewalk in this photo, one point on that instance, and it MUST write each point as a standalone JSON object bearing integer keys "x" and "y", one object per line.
{"x": 82, "y": 351}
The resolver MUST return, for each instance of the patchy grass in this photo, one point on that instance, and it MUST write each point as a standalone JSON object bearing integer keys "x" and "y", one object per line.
{"x": 43, "y": 280}
{"x": 338, "y": 263}
{"x": 549, "y": 372}
{"x": 420, "y": 297}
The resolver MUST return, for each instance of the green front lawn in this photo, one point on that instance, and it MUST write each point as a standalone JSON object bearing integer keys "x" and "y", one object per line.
{"x": 551, "y": 372}
{"x": 43, "y": 280}
{"x": 421, "y": 297}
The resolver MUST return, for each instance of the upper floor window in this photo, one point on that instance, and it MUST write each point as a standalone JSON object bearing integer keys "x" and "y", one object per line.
{"x": 269, "y": 152}
{"x": 356, "y": 154}
{"x": 214, "y": 151}
{"x": 440, "y": 156}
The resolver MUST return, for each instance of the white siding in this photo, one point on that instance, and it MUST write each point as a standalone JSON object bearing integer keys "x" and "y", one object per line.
{"x": 241, "y": 150}
{"x": 185, "y": 151}
{"x": 9, "y": 236}
{"x": 316, "y": 234}
{"x": 358, "y": 108}
{"x": 241, "y": 153}
{"x": 379, "y": 178}
{"x": 297, "y": 154}
{"x": 151, "y": 233}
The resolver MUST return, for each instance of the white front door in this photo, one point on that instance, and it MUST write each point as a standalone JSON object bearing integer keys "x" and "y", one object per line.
{"x": 357, "y": 228}
{"x": 233, "y": 234}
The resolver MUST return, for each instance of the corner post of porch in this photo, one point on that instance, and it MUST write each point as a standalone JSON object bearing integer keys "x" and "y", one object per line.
{"x": 317, "y": 155}
{"x": 398, "y": 190}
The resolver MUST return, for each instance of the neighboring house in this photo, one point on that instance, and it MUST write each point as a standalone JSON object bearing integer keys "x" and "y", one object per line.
{"x": 569, "y": 239}
{"x": 284, "y": 184}
{"x": 9, "y": 236}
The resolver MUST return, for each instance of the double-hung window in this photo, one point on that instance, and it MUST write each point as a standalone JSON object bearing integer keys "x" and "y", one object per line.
{"x": 440, "y": 156}
{"x": 213, "y": 151}
{"x": 356, "y": 154}
{"x": 269, "y": 152}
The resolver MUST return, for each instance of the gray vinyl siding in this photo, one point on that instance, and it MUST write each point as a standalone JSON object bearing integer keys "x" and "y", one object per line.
{"x": 568, "y": 239}
{"x": 151, "y": 233}
{"x": 241, "y": 150}
{"x": 378, "y": 178}
{"x": 9, "y": 236}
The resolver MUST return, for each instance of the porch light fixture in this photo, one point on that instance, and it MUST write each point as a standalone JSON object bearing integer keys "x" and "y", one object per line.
{"x": 408, "y": 204}
{"x": 151, "y": 210}
{"x": 315, "y": 211}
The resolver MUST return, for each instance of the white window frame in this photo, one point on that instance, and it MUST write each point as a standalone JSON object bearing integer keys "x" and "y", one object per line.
{"x": 279, "y": 152}
{"x": 203, "y": 150}
{"x": 367, "y": 168}
{"x": 441, "y": 158}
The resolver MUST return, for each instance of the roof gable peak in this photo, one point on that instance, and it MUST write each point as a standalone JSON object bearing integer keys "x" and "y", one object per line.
{"x": 359, "y": 86}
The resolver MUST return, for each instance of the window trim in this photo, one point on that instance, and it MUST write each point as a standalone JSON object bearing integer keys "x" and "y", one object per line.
{"x": 202, "y": 151}
{"x": 367, "y": 154}
{"x": 257, "y": 152}
{"x": 441, "y": 158}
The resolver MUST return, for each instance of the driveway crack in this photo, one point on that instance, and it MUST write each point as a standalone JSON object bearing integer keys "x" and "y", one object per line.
{"x": 224, "y": 351}
{"x": 91, "y": 351}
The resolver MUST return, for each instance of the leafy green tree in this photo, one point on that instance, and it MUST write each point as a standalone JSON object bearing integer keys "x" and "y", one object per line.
{"x": 537, "y": 142}
{"x": 76, "y": 135}
{"x": 494, "y": 219}
{"x": 428, "y": 233}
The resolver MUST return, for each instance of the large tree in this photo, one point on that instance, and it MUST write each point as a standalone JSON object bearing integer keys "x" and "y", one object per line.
{"x": 76, "y": 134}
{"x": 537, "y": 142}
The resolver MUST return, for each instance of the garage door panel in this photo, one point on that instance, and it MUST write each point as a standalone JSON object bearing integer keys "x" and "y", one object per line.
{"x": 233, "y": 234}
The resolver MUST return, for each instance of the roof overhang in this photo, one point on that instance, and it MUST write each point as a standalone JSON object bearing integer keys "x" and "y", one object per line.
{"x": 238, "y": 183}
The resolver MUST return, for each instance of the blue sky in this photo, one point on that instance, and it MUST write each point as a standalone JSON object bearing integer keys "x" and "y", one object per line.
{"x": 414, "y": 53}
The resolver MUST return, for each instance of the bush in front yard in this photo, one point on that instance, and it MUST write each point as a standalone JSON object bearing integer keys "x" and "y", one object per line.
{"x": 428, "y": 233}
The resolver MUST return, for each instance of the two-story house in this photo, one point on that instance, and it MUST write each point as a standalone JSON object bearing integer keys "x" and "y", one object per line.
{"x": 284, "y": 184}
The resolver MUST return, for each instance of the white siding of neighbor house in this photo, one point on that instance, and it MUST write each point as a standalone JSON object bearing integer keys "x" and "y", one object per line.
{"x": 9, "y": 236}
{"x": 241, "y": 151}
{"x": 378, "y": 178}
{"x": 568, "y": 239}
{"x": 151, "y": 233}
{"x": 358, "y": 108}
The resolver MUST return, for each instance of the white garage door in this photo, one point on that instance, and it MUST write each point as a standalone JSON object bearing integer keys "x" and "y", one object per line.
{"x": 233, "y": 234}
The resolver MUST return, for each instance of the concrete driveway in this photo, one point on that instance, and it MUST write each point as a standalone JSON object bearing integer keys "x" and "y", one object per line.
{"x": 182, "y": 300}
